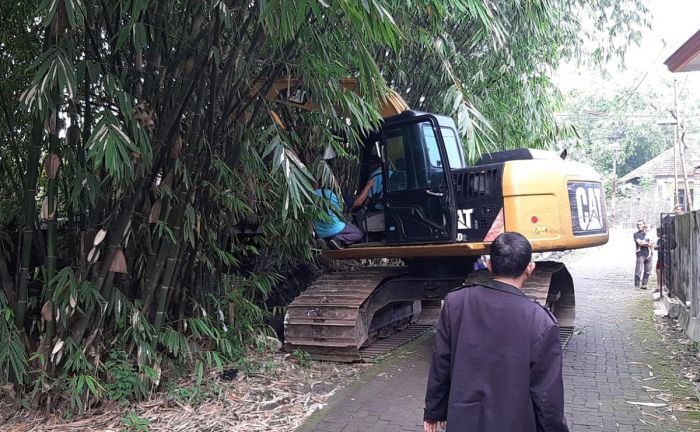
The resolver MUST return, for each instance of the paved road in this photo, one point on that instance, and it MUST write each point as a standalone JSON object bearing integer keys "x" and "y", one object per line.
{"x": 605, "y": 363}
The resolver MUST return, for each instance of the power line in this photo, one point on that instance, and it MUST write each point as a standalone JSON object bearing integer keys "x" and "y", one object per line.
{"x": 646, "y": 74}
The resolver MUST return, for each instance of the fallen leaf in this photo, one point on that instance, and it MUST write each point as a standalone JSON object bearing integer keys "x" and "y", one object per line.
{"x": 647, "y": 404}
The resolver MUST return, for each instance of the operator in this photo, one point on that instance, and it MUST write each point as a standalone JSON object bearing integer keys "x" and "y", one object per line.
{"x": 497, "y": 359}
{"x": 374, "y": 187}
{"x": 643, "y": 251}
{"x": 368, "y": 208}
{"x": 332, "y": 229}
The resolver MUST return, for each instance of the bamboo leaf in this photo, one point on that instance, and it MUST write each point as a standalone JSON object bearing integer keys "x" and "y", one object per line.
{"x": 99, "y": 237}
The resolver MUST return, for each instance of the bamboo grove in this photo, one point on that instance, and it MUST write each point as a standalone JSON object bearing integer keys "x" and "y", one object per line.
{"x": 138, "y": 159}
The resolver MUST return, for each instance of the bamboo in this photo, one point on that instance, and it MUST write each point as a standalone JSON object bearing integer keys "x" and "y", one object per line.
{"x": 117, "y": 230}
{"x": 30, "y": 180}
{"x": 6, "y": 281}
{"x": 163, "y": 290}
{"x": 51, "y": 235}
{"x": 156, "y": 259}
{"x": 13, "y": 141}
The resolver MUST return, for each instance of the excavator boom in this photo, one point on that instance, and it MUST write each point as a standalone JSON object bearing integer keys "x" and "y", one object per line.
{"x": 291, "y": 91}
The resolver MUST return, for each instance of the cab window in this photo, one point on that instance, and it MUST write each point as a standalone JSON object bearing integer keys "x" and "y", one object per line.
{"x": 414, "y": 156}
{"x": 453, "y": 147}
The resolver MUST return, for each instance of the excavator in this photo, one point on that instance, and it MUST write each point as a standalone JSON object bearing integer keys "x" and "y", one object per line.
{"x": 439, "y": 216}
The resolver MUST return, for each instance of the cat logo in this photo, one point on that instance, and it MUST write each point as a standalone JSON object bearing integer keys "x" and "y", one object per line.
{"x": 587, "y": 208}
{"x": 464, "y": 219}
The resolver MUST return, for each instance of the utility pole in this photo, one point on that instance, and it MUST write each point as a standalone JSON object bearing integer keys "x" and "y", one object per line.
{"x": 681, "y": 152}
{"x": 676, "y": 199}
{"x": 613, "y": 209}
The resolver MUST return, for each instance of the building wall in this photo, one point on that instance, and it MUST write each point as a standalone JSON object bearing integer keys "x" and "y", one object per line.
{"x": 648, "y": 204}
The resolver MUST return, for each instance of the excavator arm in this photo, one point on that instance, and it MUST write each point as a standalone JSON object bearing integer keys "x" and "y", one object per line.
{"x": 291, "y": 91}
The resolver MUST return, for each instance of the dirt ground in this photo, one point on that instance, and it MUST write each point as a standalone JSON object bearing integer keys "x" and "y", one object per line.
{"x": 272, "y": 392}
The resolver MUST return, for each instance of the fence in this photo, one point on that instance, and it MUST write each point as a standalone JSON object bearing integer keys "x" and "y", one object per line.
{"x": 680, "y": 240}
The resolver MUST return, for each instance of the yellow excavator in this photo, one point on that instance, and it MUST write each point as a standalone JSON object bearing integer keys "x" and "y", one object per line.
{"x": 439, "y": 215}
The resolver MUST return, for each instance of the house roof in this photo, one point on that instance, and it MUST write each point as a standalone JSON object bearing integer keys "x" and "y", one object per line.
{"x": 662, "y": 165}
{"x": 687, "y": 57}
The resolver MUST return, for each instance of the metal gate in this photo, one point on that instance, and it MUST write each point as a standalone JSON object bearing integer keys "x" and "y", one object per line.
{"x": 666, "y": 246}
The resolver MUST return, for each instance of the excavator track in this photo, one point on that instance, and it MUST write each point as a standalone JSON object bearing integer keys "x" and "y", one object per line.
{"x": 550, "y": 285}
{"x": 327, "y": 321}
{"x": 340, "y": 314}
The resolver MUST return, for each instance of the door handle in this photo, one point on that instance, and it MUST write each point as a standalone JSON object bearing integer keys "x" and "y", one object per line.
{"x": 437, "y": 194}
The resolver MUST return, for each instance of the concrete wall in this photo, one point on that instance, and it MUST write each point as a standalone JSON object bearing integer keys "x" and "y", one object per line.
{"x": 685, "y": 280}
{"x": 645, "y": 204}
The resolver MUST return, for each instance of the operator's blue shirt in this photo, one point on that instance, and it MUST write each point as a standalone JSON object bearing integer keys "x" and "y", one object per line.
{"x": 378, "y": 188}
{"x": 329, "y": 229}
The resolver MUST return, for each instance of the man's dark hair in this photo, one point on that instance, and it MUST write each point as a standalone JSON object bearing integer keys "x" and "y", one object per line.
{"x": 510, "y": 254}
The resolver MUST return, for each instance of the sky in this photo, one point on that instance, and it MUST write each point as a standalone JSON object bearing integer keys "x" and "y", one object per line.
{"x": 672, "y": 21}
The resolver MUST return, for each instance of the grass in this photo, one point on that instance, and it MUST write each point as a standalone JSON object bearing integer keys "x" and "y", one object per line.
{"x": 662, "y": 356}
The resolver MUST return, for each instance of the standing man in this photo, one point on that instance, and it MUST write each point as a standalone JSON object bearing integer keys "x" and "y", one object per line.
{"x": 643, "y": 251}
{"x": 497, "y": 357}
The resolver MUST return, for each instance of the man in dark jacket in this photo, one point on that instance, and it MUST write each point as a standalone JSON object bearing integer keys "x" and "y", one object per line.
{"x": 497, "y": 357}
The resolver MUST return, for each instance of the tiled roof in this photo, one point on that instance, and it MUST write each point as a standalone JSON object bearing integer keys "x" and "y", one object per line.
{"x": 662, "y": 165}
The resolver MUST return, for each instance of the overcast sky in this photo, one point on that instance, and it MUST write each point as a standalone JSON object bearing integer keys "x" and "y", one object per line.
{"x": 673, "y": 21}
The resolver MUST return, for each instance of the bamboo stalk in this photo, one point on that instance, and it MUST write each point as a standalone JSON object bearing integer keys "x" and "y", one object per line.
{"x": 163, "y": 291}
{"x": 30, "y": 180}
{"x": 51, "y": 235}
{"x": 6, "y": 279}
{"x": 117, "y": 231}
{"x": 154, "y": 274}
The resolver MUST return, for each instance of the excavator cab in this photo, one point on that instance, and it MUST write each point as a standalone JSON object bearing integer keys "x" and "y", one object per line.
{"x": 418, "y": 184}
{"x": 434, "y": 205}
{"x": 418, "y": 152}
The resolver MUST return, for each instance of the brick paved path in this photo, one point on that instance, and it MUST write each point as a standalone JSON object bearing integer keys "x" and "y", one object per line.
{"x": 605, "y": 363}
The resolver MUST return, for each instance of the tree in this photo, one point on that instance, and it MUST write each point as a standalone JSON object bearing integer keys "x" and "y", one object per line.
{"x": 142, "y": 154}
{"x": 489, "y": 65}
{"x": 618, "y": 129}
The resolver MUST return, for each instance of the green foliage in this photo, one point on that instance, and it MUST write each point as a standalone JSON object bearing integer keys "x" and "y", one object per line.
{"x": 245, "y": 295}
{"x": 13, "y": 358}
{"x": 75, "y": 360}
{"x": 249, "y": 367}
{"x": 302, "y": 357}
{"x": 489, "y": 64}
{"x": 647, "y": 182}
{"x": 123, "y": 381}
{"x": 133, "y": 422}
{"x": 197, "y": 394}
{"x": 618, "y": 129}
{"x": 81, "y": 389}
